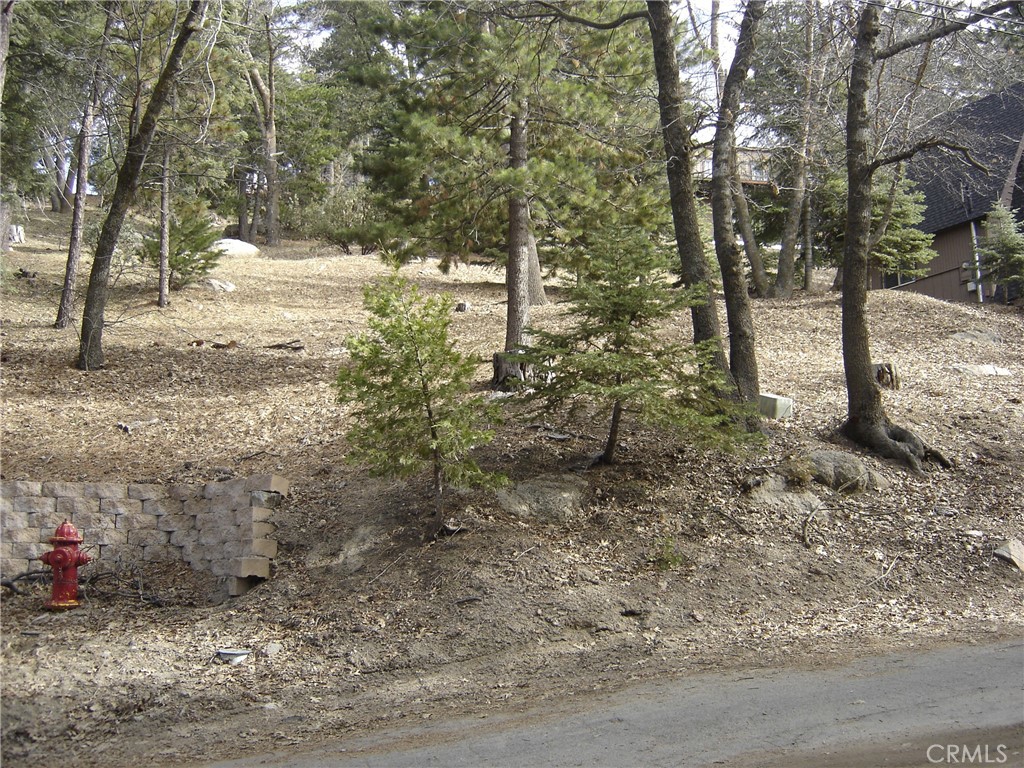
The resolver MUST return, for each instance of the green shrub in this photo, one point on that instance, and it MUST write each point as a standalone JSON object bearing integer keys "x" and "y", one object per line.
{"x": 410, "y": 391}
{"x": 614, "y": 356}
{"x": 192, "y": 255}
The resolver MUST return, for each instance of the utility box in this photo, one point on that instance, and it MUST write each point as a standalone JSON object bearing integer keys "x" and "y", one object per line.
{"x": 775, "y": 406}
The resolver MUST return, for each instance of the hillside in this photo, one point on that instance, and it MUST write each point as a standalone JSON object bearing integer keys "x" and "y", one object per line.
{"x": 677, "y": 561}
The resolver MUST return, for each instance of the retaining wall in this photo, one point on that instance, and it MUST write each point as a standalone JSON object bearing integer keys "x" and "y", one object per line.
{"x": 225, "y": 528}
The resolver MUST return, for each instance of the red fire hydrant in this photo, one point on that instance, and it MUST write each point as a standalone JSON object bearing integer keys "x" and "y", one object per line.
{"x": 65, "y": 560}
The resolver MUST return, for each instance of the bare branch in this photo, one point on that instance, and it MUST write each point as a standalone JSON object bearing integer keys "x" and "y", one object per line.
{"x": 944, "y": 30}
{"x": 931, "y": 142}
{"x": 557, "y": 13}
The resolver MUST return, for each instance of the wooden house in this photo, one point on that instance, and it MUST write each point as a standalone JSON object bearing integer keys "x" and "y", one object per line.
{"x": 958, "y": 195}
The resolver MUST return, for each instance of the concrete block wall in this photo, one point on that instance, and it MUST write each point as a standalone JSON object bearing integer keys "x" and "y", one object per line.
{"x": 225, "y": 528}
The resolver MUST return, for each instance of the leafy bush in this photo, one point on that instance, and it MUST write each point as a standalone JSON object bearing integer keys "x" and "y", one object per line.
{"x": 410, "y": 389}
{"x": 192, "y": 255}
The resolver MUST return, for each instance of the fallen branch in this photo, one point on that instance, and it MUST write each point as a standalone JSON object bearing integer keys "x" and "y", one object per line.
{"x": 295, "y": 345}
{"x": 131, "y": 426}
{"x": 806, "y": 527}
{"x": 884, "y": 575}
{"x": 740, "y": 527}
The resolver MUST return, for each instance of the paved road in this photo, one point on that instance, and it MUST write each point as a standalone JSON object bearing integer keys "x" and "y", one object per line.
{"x": 953, "y": 706}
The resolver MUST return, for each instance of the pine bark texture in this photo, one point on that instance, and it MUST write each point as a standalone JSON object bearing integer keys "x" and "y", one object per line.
{"x": 517, "y": 271}
{"x": 67, "y": 295}
{"x": 693, "y": 266}
{"x": 742, "y": 352}
{"x": 90, "y": 352}
{"x": 6, "y": 14}
{"x": 867, "y": 422}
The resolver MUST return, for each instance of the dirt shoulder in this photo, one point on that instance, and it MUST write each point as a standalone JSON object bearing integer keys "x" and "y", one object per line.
{"x": 673, "y": 566}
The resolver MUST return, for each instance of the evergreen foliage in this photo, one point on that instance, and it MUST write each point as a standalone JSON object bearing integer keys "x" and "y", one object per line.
{"x": 192, "y": 252}
{"x": 438, "y": 161}
{"x": 409, "y": 387}
{"x": 903, "y": 248}
{"x": 1002, "y": 251}
{"x": 614, "y": 355}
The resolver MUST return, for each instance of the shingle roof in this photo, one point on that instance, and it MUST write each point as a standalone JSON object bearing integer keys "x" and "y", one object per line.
{"x": 956, "y": 192}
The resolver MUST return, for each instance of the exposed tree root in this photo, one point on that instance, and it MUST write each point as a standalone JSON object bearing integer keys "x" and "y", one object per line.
{"x": 894, "y": 442}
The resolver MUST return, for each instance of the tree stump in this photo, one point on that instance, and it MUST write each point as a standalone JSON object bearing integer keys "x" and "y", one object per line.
{"x": 509, "y": 369}
{"x": 887, "y": 376}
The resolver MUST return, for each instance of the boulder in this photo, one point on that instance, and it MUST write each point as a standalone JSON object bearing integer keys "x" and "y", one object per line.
{"x": 231, "y": 248}
{"x": 846, "y": 472}
{"x": 774, "y": 493}
{"x": 547, "y": 498}
{"x": 1011, "y": 551}
{"x": 981, "y": 370}
{"x": 220, "y": 286}
{"x": 987, "y": 336}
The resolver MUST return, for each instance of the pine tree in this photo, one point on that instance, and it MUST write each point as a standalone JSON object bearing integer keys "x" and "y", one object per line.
{"x": 410, "y": 390}
{"x": 191, "y": 246}
{"x": 613, "y": 355}
{"x": 1002, "y": 251}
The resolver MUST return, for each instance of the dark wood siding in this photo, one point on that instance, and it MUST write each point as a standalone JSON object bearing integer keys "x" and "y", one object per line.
{"x": 946, "y": 279}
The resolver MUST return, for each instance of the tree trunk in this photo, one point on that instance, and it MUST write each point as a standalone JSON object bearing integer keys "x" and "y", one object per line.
{"x": 742, "y": 353}
{"x": 693, "y": 266}
{"x": 538, "y": 297}
{"x": 67, "y": 295}
{"x": 785, "y": 278}
{"x": 612, "y": 441}
{"x": 6, "y": 14}
{"x": 866, "y": 422}
{"x": 163, "y": 298}
{"x": 750, "y": 245}
{"x": 267, "y": 107}
{"x": 517, "y": 274}
{"x": 90, "y": 353}
{"x": 241, "y": 179}
{"x": 808, "y": 245}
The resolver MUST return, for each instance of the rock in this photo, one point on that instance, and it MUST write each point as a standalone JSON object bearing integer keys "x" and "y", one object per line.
{"x": 981, "y": 370}
{"x": 987, "y": 336}
{"x": 462, "y": 306}
{"x": 775, "y": 406}
{"x": 1011, "y": 551}
{"x": 220, "y": 286}
{"x": 773, "y": 493}
{"x": 846, "y": 472}
{"x": 231, "y": 248}
{"x": 272, "y": 649}
{"x": 548, "y": 498}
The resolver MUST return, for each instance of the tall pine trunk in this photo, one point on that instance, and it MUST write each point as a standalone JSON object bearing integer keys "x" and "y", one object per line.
{"x": 6, "y": 15}
{"x": 90, "y": 351}
{"x": 163, "y": 295}
{"x": 67, "y": 295}
{"x": 693, "y": 265}
{"x": 867, "y": 422}
{"x": 785, "y": 278}
{"x": 742, "y": 352}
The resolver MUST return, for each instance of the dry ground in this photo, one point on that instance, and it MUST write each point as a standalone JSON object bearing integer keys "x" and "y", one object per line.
{"x": 674, "y": 567}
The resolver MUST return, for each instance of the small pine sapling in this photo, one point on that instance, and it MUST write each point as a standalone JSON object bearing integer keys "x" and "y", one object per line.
{"x": 1002, "y": 251}
{"x": 193, "y": 236}
{"x": 614, "y": 354}
{"x": 410, "y": 390}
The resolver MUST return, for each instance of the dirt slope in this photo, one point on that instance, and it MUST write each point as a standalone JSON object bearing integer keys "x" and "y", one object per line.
{"x": 673, "y": 567}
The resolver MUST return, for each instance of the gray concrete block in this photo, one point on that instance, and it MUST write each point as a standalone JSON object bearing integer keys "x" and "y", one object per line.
{"x": 11, "y": 488}
{"x": 775, "y": 406}
{"x": 147, "y": 491}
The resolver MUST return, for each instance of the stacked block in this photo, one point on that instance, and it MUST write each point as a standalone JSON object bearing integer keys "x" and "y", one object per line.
{"x": 225, "y": 528}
